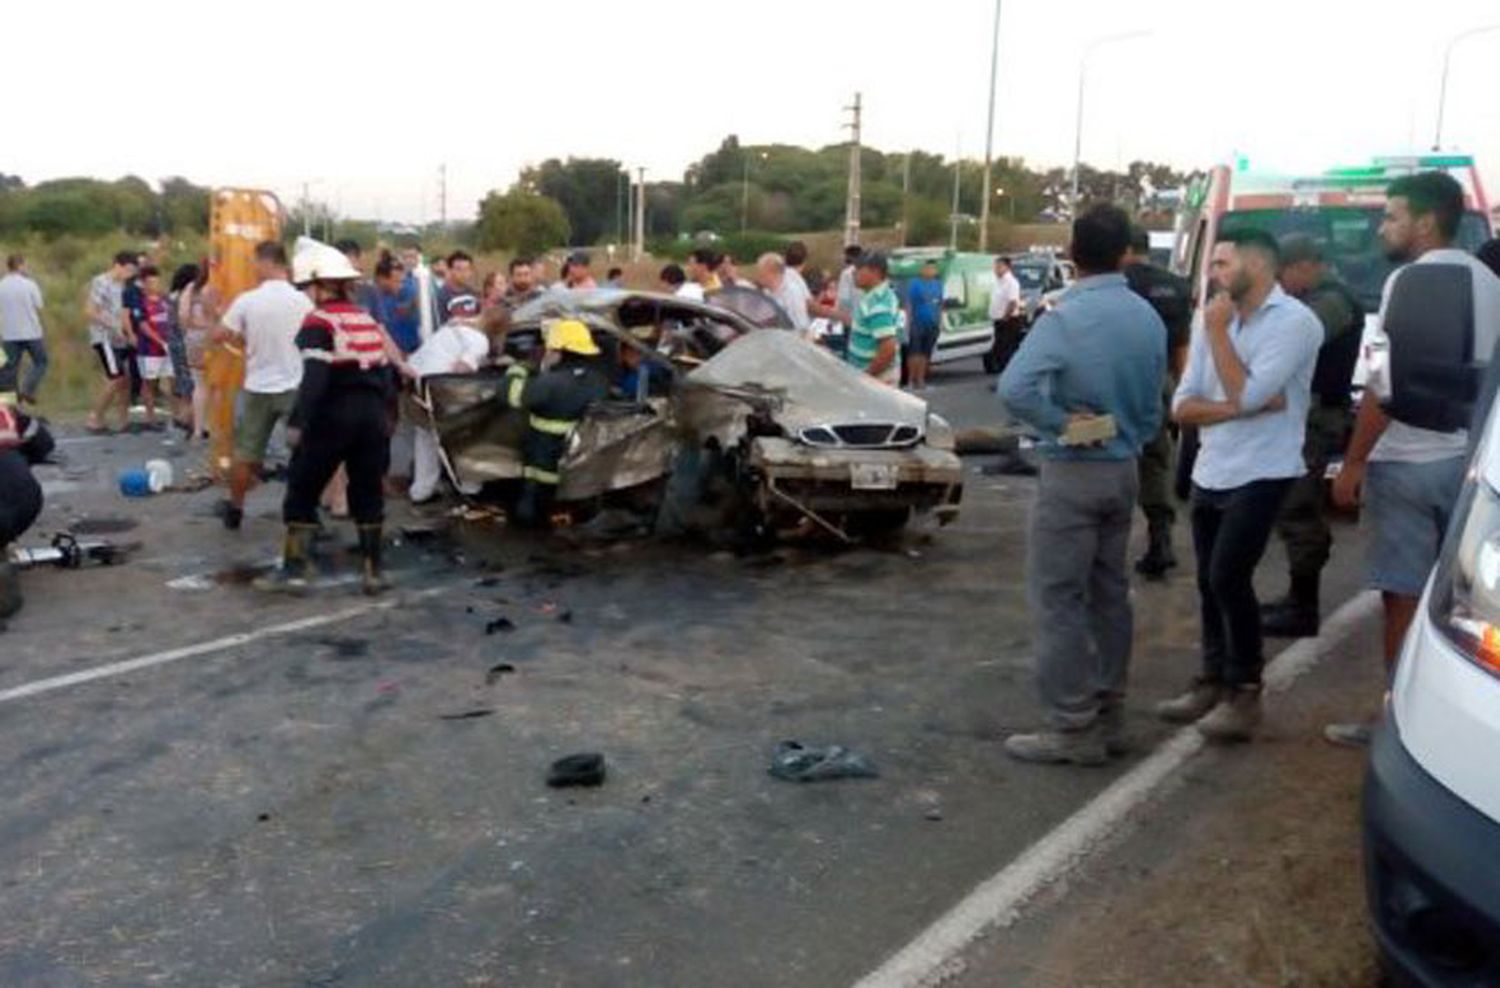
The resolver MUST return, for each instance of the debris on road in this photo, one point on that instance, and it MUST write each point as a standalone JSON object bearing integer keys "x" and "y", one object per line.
{"x": 583, "y": 769}
{"x": 501, "y": 623}
{"x": 797, "y": 762}
{"x": 496, "y": 671}
{"x": 473, "y": 714}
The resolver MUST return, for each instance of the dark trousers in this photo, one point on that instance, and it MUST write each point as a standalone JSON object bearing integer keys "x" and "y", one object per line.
{"x": 1007, "y": 340}
{"x": 20, "y": 497}
{"x": 351, "y": 432}
{"x": 10, "y": 375}
{"x": 1230, "y": 531}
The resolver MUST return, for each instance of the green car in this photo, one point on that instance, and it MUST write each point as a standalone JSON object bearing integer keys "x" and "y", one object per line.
{"x": 967, "y": 281}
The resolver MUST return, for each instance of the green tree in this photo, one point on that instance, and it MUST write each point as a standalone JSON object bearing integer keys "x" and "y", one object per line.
{"x": 520, "y": 221}
{"x": 590, "y": 191}
{"x": 184, "y": 206}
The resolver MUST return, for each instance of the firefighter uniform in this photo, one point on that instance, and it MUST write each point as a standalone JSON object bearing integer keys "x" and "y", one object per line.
{"x": 1303, "y": 524}
{"x": 554, "y": 401}
{"x": 23, "y": 441}
{"x": 342, "y": 415}
{"x": 1171, "y": 297}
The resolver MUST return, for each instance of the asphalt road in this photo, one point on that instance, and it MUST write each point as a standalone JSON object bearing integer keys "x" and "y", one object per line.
{"x": 309, "y": 808}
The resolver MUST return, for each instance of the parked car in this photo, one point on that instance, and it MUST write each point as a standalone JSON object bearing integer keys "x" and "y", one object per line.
{"x": 1042, "y": 277}
{"x": 772, "y": 428}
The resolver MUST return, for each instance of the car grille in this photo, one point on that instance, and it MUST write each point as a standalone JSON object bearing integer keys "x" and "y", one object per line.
{"x": 861, "y": 435}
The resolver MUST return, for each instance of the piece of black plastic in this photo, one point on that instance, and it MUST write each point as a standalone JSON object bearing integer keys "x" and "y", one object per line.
{"x": 583, "y": 769}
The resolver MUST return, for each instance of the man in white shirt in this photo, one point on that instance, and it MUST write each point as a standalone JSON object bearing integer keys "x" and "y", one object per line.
{"x": 264, "y": 321}
{"x": 458, "y": 347}
{"x": 1409, "y": 478}
{"x": 774, "y": 278}
{"x": 1005, "y": 312}
{"x": 21, "y": 330}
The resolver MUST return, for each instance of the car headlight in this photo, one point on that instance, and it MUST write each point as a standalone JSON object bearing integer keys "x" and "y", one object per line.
{"x": 1465, "y": 600}
{"x": 940, "y": 434}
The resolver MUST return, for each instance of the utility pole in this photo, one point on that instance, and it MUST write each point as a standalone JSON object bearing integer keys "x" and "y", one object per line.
{"x": 620, "y": 182}
{"x": 306, "y": 206}
{"x": 443, "y": 197}
{"x": 989, "y": 138}
{"x": 958, "y": 158}
{"x": 905, "y": 197}
{"x": 629, "y": 230}
{"x": 851, "y": 208}
{"x": 640, "y": 214}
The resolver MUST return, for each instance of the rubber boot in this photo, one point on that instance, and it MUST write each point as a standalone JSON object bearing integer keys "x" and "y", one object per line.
{"x": 294, "y": 576}
{"x": 1297, "y": 617}
{"x": 10, "y": 590}
{"x": 371, "y": 549}
{"x": 534, "y": 507}
{"x": 1159, "y": 556}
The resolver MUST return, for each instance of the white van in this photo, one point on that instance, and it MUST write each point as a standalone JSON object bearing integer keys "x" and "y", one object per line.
{"x": 1432, "y": 791}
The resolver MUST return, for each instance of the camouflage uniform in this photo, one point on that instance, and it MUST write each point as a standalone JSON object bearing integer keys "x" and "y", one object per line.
{"x": 1303, "y": 524}
{"x": 1171, "y": 297}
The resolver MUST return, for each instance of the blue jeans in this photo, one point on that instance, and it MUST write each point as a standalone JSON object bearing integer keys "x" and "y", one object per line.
{"x": 11, "y": 373}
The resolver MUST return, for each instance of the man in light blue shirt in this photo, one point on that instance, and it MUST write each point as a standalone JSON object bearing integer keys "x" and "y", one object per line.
{"x": 1247, "y": 387}
{"x": 1094, "y": 362}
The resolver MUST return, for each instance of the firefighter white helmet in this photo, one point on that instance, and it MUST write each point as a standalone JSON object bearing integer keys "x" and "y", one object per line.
{"x": 316, "y": 261}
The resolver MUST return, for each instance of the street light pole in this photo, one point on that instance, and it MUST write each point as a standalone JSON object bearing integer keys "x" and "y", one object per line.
{"x": 1437, "y": 139}
{"x": 1083, "y": 68}
{"x": 989, "y": 138}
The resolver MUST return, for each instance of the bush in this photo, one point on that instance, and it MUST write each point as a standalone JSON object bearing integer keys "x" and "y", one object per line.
{"x": 744, "y": 247}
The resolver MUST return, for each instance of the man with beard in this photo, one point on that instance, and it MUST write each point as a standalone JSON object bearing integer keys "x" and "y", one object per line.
{"x": 1247, "y": 388}
{"x": 1407, "y": 477}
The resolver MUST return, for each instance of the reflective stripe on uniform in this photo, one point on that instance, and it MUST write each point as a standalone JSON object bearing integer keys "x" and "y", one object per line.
{"x": 324, "y": 355}
{"x": 357, "y": 339}
{"x": 541, "y": 476}
{"x": 517, "y": 378}
{"x": 553, "y": 427}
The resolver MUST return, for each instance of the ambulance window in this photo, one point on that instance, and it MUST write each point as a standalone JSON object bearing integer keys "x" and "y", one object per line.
{"x": 953, "y": 289}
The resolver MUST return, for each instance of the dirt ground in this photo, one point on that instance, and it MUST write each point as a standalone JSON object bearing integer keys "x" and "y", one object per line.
{"x": 1248, "y": 874}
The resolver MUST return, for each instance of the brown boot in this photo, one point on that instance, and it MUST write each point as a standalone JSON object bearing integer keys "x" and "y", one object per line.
{"x": 1235, "y": 718}
{"x": 294, "y": 574}
{"x": 1200, "y": 698}
{"x": 371, "y": 549}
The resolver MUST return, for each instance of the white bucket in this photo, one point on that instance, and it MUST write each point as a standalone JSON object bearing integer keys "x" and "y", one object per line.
{"x": 160, "y": 474}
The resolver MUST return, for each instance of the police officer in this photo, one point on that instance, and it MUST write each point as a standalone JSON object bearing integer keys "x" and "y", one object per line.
{"x": 341, "y": 417}
{"x": 554, "y": 401}
{"x": 24, "y": 441}
{"x": 1302, "y": 524}
{"x": 1171, "y": 297}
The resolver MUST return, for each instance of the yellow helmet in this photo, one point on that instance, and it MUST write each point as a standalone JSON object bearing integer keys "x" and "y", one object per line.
{"x": 571, "y": 336}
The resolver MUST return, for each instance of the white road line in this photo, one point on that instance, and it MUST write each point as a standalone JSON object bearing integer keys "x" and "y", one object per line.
{"x": 998, "y": 902}
{"x": 124, "y": 666}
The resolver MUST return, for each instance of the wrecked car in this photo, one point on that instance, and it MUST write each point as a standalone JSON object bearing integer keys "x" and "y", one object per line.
{"x": 728, "y": 411}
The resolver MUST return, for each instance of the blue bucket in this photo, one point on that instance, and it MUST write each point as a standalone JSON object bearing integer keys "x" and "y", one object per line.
{"x": 135, "y": 483}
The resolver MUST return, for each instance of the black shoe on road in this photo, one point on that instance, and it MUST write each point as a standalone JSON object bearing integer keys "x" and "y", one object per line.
{"x": 232, "y": 516}
{"x": 1289, "y": 621}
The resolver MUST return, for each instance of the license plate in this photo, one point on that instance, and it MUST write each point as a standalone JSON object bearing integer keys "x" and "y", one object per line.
{"x": 873, "y": 476}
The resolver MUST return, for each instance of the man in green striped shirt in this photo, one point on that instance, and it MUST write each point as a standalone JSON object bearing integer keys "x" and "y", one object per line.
{"x": 873, "y": 346}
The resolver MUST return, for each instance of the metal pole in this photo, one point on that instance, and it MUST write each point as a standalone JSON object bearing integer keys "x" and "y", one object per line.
{"x": 989, "y": 138}
{"x": 905, "y": 198}
{"x": 640, "y": 214}
{"x": 1437, "y": 138}
{"x": 851, "y": 208}
{"x": 1083, "y": 67}
{"x": 958, "y": 158}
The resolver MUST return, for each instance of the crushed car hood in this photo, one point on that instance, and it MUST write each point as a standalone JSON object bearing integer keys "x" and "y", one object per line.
{"x": 816, "y": 388}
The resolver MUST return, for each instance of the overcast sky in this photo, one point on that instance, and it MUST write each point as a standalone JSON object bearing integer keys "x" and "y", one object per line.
{"x": 365, "y": 101}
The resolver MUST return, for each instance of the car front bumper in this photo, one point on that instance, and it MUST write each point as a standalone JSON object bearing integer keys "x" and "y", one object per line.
{"x": 1432, "y": 872}
{"x": 838, "y": 480}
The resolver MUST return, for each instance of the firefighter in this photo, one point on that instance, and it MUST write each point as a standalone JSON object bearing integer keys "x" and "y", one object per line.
{"x": 23, "y": 441}
{"x": 554, "y": 400}
{"x": 341, "y": 417}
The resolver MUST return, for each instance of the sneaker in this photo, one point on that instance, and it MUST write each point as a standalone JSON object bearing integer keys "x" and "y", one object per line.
{"x": 1187, "y": 707}
{"x": 1085, "y": 747}
{"x": 1349, "y": 735}
{"x": 1235, "y": 718}
{"x": 1111, "y": 726}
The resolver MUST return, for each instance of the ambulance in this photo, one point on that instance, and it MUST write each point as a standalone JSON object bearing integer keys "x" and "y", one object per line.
{"x": 1341, "y": 208}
